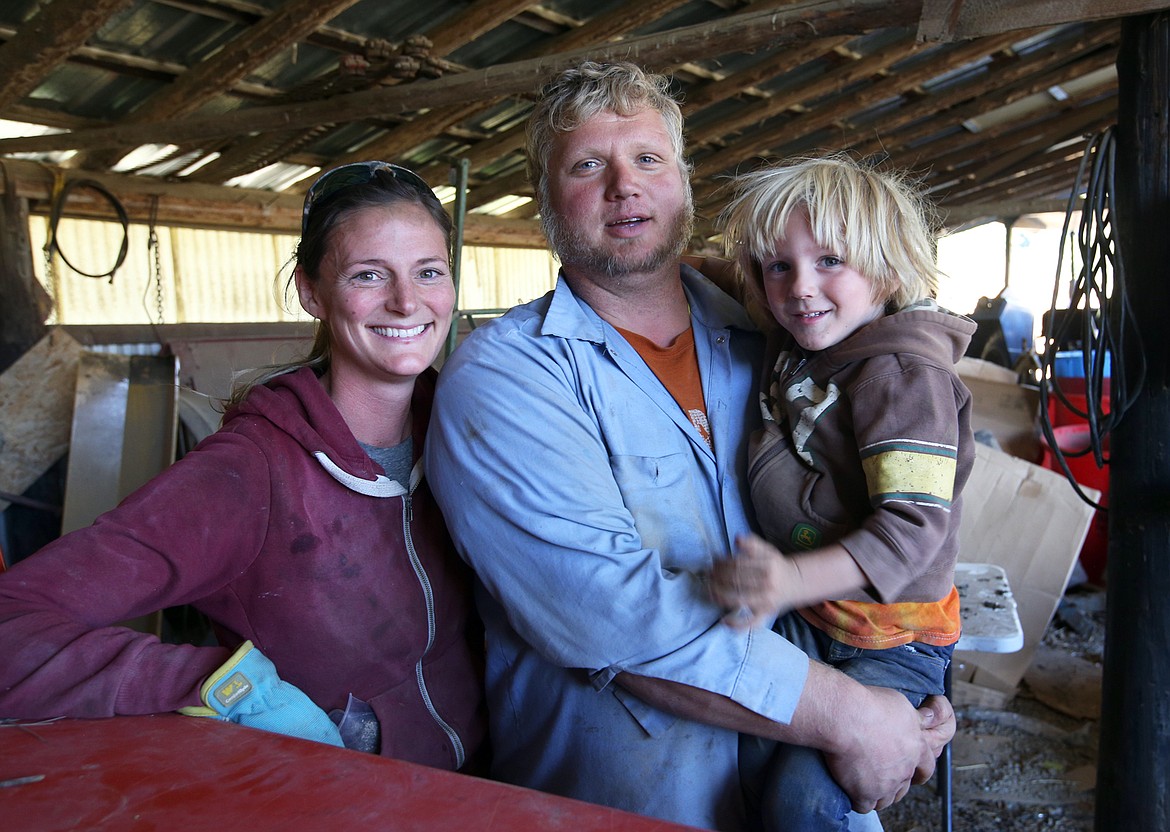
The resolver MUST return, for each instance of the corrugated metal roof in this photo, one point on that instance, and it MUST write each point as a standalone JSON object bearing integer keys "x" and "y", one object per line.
{"x": 132, "y": 61}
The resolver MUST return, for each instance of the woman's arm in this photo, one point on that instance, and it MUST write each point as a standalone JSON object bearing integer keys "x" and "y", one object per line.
{"x": 178, "y": 538}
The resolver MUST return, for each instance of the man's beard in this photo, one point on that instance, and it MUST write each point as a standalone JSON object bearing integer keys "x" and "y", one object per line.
{"x": 571, "y": 247}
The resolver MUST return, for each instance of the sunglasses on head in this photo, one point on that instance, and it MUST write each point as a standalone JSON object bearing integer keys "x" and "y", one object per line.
{"x": 334, "y": 181}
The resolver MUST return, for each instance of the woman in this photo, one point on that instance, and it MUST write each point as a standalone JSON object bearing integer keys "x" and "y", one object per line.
{"x": 302, "y": 528}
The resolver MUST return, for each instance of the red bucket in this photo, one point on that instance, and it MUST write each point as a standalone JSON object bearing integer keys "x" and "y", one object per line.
{"x": 1073, "y": 439}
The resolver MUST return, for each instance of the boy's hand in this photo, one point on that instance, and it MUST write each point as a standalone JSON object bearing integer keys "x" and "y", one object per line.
{"x": 756, "y": 585}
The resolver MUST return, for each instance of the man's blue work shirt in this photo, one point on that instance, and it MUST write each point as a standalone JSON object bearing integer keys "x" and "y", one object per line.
{"x": 590, "y": 508}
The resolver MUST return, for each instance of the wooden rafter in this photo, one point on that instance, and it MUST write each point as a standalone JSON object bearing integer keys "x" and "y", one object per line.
{"x": 438, "y": 120}
{"x": 896, "y": 84}
{"x": 1006, "y": 84}
{"x": 749, "y": 30}
{"x": 47, "y": 40}
{"x": 258, "y": 43}
{"x": 212, "y": 206}
{"x": 871, "y": 66}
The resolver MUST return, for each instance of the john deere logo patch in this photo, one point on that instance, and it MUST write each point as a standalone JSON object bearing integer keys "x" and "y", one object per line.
{"x": 805, "y": 536}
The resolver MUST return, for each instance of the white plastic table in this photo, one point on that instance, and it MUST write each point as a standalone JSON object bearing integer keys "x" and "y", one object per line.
{"x": 991, "y": 624}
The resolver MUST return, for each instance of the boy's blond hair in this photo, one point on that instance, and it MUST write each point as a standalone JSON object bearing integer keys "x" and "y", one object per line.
{"x": 877, "y": 221}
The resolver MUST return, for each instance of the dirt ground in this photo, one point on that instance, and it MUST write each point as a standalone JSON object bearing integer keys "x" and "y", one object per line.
{"x": 1030, "y": 763}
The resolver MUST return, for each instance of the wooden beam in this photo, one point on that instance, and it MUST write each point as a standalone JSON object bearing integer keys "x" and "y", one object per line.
{"x": 478, "y": 19}
{"x": 761, "y": 142}
{"x": 964, "y": 215}
{"x": 949, "y": 20}
{"x": 47, "y": 40}
{"x": 991, "y": 155}
{"x": 832, "y": 82}
{"x": 744, "y": 32}
{"x": 515, "y": 183}
{"x": 135, "y": 66}
{"x": 1135, "y": 734}
{"x": 1049, "y": 173}
{"x": 607, "y": 26}
{"x": 936, "y": 114}
{"x": 481, "y": 153}
{"x": 26, "y": 305}
{"x": 774, "y": 64}
{"x": 482, "y": 17}
{"x": 246, "y": 13}
{"x": 196, "y": 205}
{"x": 258, "y": 43}
{"x": 438, "y": 120}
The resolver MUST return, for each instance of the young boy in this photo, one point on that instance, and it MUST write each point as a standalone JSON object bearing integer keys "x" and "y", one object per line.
{"x": 866, "y": 445}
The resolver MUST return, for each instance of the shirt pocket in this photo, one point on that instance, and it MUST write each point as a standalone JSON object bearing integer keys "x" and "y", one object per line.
{"x": 663, "y": 493}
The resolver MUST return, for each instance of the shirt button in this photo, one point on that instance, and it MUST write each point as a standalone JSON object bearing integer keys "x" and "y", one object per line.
{"x": 720, "y": 339}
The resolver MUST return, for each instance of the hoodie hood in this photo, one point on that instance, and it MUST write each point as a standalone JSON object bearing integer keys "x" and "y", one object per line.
{"x": 296, "y": 404}
{"x": 924, "y": 329}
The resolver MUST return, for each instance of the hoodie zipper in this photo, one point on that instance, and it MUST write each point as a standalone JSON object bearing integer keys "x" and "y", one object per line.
{"x": 429, "y": 596}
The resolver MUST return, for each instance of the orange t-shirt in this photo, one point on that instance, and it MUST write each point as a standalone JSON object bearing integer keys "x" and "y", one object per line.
{"x": 677, "y": 367}
{"x": 880, "y": 626}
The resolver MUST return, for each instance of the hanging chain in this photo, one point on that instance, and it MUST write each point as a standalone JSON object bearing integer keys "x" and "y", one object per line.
{"x": 152, "y": 244}
{"x": 49, "y": 249}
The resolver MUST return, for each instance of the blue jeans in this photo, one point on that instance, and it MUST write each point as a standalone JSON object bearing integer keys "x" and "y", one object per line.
{"x": 788, "y": 787}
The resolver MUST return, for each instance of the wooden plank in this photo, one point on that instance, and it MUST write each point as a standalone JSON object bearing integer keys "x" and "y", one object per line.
{"x": 258, "y": 43}
{"x": 961, "y": 216}
{"x": 202, "y": 82}
{"x": 516, "y": 184}
{"x": 747, "y": 31}
{"x": 47, "y": 40}
{"x": 36, "y": 411}
{"x": 254, "y": 153}
{"x": 987, "y": 159}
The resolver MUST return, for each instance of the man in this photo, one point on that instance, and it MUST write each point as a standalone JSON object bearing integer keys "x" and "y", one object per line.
{"x": 588, "y": 451}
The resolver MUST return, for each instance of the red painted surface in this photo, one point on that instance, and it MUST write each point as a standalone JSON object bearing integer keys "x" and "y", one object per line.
{"x": 170, "y": 772}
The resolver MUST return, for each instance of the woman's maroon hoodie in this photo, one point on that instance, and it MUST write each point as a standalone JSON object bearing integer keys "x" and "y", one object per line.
{"x": 283, "y": 531}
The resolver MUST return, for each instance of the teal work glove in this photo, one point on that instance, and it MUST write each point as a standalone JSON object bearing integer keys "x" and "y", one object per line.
{"x": 246, "y": 690}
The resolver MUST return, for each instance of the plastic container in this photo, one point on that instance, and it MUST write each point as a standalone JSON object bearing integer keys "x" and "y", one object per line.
{"x": 1062, "y": 415}
{"x": 1074, "y": 438}
{"x": 1071, "y": 364}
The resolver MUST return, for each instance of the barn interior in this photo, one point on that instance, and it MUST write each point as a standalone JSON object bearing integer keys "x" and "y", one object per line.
{"x": 146, "y": 119}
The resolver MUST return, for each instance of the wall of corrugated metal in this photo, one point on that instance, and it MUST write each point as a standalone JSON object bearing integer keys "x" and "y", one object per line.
{"x": 227, "y": 276}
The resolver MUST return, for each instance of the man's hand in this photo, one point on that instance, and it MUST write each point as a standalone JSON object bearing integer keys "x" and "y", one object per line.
{"x": 892, "y": 746}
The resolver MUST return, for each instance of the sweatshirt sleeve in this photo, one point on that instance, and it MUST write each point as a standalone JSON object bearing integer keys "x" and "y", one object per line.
{"x": 179, "y": 538}
{"x": 907, "y": 426}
